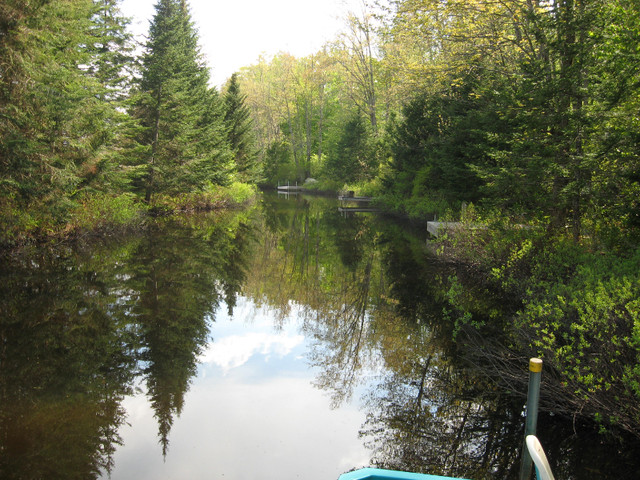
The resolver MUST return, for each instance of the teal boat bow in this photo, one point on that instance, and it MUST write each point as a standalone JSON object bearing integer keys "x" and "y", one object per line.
{"x": 380, "y": 474}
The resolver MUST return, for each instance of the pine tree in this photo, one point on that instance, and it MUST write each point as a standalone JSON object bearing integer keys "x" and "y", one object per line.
{"x": 184, "y": 136}
{"x": 240, "y": 131}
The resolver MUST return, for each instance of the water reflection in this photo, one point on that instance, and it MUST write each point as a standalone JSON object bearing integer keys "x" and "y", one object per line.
{"x": 242, "y": 343}
{"x": 79, "y": 325}
{"x": 66, "y": 363}
{"x": 251, "y": 411}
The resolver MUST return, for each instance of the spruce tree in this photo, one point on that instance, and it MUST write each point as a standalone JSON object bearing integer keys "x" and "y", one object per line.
{"x": 111, "y": 49}
{"x": 240, "y": 131}
{"x": 183, "y": 132}
{"x": 110, "y": 65}
{"x": 55, "y": 122}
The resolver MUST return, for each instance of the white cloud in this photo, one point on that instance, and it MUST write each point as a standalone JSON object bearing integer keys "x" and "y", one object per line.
{"x": 234, "y": 427}
{"x": 235, "y": 350}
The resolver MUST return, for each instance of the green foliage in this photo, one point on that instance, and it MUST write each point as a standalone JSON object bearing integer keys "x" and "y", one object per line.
{"x": 75, "y": 135}
{"x": 575, "y": 308}
{"x": 104, "y": 210}
{"x": 238, "y": 193}
{"x": 240, "y": 131}
{"x": 433, "y": 146}
{"x": 210, "y": 197}
{"x": 183, "y": 118}
{"x": 351, "y": 159}
{"x": 16, "y": 223}
{"x": 328, "y": 185}
{"x": 455, "y": 297}
{"x": 583, "y": 315}
{"x": 65, "y": 74}
{"x": 278, "y": 165}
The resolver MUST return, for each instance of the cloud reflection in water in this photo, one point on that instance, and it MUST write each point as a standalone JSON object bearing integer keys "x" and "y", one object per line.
{"x": 252, "y": 412}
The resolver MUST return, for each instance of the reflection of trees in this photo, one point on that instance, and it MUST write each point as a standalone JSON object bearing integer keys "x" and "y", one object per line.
{"x": 315, "y": 257}
{"x": 437, "y": 411}
{"x": 457, "y": 425}
{"x": 371, "y": 295}
{"x": 180, "y": 276}
{"x": 342, "y": 336}
{"x": 76, "y": 325}
{"x": 348, "y": 238}
{"x": 428, "y": 416}
{"x": 66, "y": 362}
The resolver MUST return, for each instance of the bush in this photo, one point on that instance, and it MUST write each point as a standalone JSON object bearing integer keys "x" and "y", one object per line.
{"x": 16, "y": 224}
{"x": 582, "y": 314}
{"x": 99, "y": 210}
{"x": 577, "y": 309}
{"x": 211, "y": 197}
{"x": 239, "y": 193}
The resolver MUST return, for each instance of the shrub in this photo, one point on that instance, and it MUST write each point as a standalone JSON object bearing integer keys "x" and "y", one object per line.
{"x": 99, "y": 210}
{"x": 581, "y": 312}
{"x": 234, "y": 194}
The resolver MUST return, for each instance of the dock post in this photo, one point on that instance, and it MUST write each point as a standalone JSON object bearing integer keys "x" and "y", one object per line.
{"x": 533, "y": 399}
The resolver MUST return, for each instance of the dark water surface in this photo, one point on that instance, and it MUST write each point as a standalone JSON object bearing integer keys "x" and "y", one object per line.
{"x": 282, "y": 341}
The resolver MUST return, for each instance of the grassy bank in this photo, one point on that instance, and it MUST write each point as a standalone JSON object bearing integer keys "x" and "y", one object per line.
{"x": 99, "y": 213}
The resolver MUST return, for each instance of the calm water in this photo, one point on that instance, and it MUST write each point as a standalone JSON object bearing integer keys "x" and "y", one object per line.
{"x": 282, "y": 341}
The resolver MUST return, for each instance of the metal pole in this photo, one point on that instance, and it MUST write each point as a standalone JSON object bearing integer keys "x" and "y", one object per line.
{"x": 533, "y": 399}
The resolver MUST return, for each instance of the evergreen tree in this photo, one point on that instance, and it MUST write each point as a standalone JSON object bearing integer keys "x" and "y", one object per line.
{"x": 350, "y": 159}
{"x": 110, "y": 65}
{"x": 240, "y": 131}
{"x": 56, "y": 124}
{"x": 184, "y": 135}
{"x": 111, "y": 49}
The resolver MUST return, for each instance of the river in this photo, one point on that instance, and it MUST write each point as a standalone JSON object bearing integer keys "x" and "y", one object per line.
{"x": 284, "y": 340}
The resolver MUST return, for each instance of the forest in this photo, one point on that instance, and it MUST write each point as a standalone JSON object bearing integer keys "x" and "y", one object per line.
{"x": 96, "y": 132}
{"x": 520, "y": 117}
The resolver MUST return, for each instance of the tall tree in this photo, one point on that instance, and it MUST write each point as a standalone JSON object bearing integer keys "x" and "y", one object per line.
{"x": 350, "y": 159}
{"x": 356, "y": 55}
{"x": 240, "y": 131}
{"x": 111, "y": 65}
{"x": 111, "y": 49}
{"x": 184, "y": 133}
{"x": 617, "y": 86}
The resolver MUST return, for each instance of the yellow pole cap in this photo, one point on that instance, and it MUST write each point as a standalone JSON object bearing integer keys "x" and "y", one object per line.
{"x": 535, "y": 365}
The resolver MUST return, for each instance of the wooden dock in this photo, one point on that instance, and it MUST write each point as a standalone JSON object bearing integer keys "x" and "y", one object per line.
{"x": 290, "y": 188}
{"x": 346, "y": 198}
{"x": 436, "y": 228}
{"x": 357, "y": 202}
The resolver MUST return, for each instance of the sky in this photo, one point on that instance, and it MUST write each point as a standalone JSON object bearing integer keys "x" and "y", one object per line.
{"x": 234, "y": 33}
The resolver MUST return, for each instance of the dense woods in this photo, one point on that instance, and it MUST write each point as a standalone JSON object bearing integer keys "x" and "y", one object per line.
{"x": 524, "y": 107}
{"x": 517, "y": 112}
